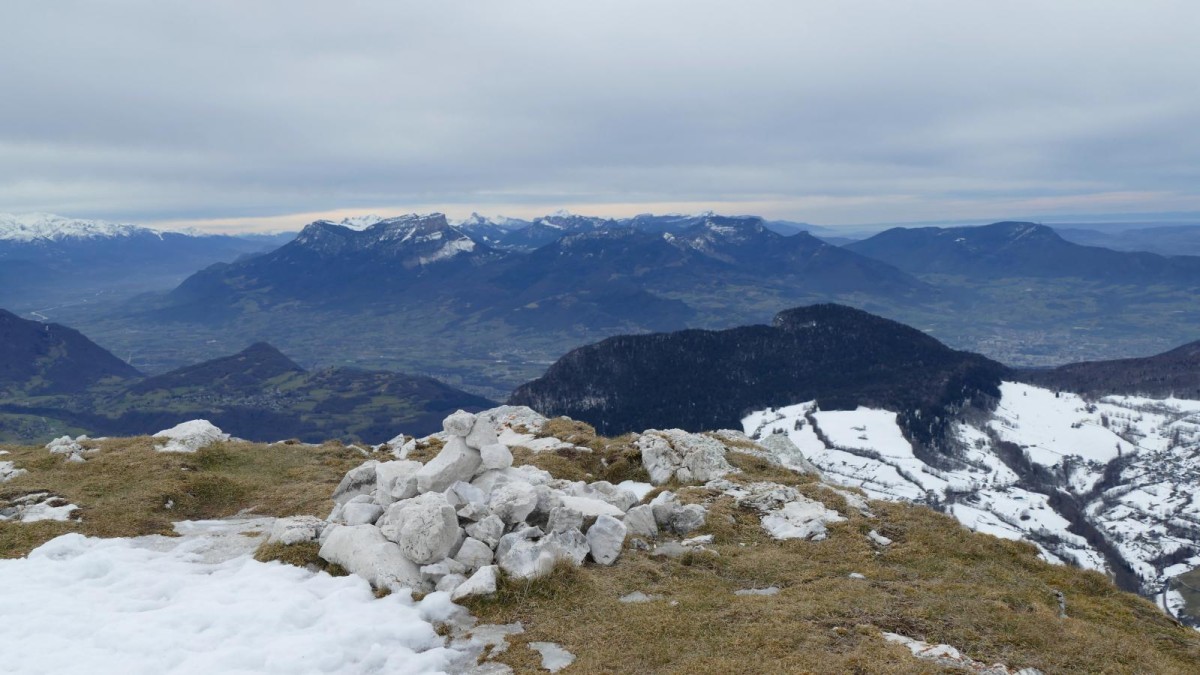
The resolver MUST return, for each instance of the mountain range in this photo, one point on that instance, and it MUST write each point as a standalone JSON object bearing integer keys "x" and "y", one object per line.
{"x": 486, "y": 303}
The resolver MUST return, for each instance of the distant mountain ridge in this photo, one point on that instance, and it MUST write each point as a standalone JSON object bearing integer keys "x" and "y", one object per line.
{"x": 1014, "y": 249}
{"x": 1172, "y": 373}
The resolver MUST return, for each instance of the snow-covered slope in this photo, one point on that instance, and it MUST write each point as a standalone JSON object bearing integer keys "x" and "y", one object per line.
{"x": 1106, "y": 484}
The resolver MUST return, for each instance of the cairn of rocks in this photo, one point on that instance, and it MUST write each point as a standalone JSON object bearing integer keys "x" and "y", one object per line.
{"x": 453, "y": 523}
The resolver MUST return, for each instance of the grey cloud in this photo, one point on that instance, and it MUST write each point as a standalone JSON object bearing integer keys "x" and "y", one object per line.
{"x": 848, "y": 111}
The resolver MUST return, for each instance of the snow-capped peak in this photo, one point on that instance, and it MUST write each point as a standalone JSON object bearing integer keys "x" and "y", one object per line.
{"x": 359, "y": 223}
{"x": 34, "y": 226}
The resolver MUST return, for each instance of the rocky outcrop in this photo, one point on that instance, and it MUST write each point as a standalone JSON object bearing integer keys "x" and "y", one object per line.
{"x": 678, "y": 455}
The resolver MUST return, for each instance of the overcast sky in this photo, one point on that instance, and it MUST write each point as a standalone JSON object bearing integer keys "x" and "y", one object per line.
{"x": 265, "y": 114}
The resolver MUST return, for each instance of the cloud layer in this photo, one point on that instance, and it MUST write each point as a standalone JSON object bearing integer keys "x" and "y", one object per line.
{"x": 831, "y": 112}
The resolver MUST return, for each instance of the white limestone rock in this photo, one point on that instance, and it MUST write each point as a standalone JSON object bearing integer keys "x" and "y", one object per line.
{"x": 548, "y": 499}
{"x": 459, "y": 423}
{"x": 482, "y": 434}
{"x": 364, "y": 551}
{"x": 474, "y": 554}
{"x": 495, "y": 456}
{"x": 674, "y": 453}
{"x": 363, "y": 512}
{"x": 606, "y": 538}
{"x": 800, "y": 519}
{"x": 591, "y": 508}
{"x": 489, "y": 530}
{"x": 569, "y": 545}
{"x": 763, "y": 496}
{"x": 519, "y": 417}
{"x": 482, "y": 582}
{"x": 687, "y": 519}
{"x": 360, "y": 480}
{"x": 189, "y": 437}
{"x": 396, "y": 481}
{"x": 879, "y": 538}
{"x": 527, "y": 559}
{"x": 564, "y": 518}
{"x": 662, "y": 506}
{"x": 455, "y": 462}
{"x": 521, "y": 534}
{"x": 788, "y": 454}
{"x": 607, "y": 492}
{"x": 513, "y": 501}
{"x": 640, "y": 522}
{"x": 295, "y": 530}
{"x": 450, "y": 583}
{"x": 425, "y": 527}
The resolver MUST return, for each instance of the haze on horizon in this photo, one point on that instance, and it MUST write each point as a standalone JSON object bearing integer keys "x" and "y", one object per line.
{"x": 264, "y": 115}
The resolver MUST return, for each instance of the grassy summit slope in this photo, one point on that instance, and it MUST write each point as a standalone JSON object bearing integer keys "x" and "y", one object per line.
{"x": 992, "y": 599}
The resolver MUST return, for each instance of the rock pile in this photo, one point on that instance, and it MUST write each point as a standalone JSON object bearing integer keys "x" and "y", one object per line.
{"x": 71, "y": 447}
{"x": 453, "y": 523}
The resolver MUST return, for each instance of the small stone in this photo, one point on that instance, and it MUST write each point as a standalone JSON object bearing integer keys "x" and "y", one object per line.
{"x": 361, "y": 513}
{"x": 450, "y": 583}
{"x": 295, "y": 530}
{"x": 455, "y": 462}
{"x": 702, "y": 540}
{"x": 637, "y": 597}
{"x": 495, "y": 456}
{"x": 425, "y": 527}
{"x": 687, "y": 518}
{"x": 564, "y": 518}
{"x": 513, "y": 501}
{"x": 605, "y": 539}
{"x": 482, "y": 434}
{"x": 358, "y": 481}
{"x": 396, "y": 481}
{"x": 489, "y": 530}
{"x": 459, "y": 424}
{"x": 662, "y": 507}
{"x": 879, "y": 538}
{"x": 474, "y": 554}
{"x": 639, "y": 520}
{"x": 769, "y": 590}
{"x": 482, "y": 582}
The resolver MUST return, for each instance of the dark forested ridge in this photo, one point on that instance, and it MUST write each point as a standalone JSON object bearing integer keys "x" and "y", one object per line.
{"x": 1173, "y": 373}
{"x": 698, "y": 379}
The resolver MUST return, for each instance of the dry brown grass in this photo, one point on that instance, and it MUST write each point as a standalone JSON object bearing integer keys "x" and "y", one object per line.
{"x": 304, "y": 554}
{"x": 124, "y": 489}
{"x": 992, "y": 599}
{"x": 610, "y": 459}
